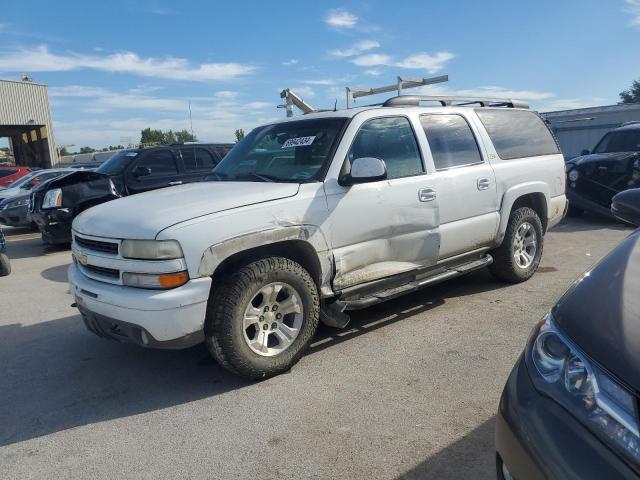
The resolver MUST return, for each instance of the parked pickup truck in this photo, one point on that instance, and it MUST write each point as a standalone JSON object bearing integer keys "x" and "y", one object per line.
{"x": 310, "y": 217}
{"x": 128, "y": 172}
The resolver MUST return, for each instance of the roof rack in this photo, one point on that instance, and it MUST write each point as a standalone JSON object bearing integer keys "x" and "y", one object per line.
{"x": 449, "y": 101}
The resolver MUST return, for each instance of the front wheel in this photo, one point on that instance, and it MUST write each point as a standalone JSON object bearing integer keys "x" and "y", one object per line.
{"x": 5, "y": 265}
{"x": 262, "y": 318}
{"x": 518, "y": 257}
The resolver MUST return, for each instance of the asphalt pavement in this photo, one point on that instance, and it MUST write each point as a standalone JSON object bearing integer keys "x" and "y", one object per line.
{"x": 409, "y": 390}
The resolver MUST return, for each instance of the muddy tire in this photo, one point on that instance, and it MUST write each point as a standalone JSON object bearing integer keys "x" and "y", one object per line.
{"x": 262, "y": 317}
{"x": 5, "y": 265}
{"x": 518, "y": 257}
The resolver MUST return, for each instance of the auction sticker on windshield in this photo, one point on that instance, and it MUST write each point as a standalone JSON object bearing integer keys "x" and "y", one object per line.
{"x": 298, "y": 142}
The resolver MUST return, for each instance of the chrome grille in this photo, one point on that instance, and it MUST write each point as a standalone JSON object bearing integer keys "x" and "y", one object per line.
{"x": 97, "y": 245}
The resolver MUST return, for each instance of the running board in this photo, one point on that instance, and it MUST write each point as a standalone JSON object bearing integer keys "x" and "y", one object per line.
{"x": 416, "y": 284}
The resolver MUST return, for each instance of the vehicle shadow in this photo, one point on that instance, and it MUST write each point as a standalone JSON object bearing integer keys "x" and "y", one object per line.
{"x": 56, "y": 274}
{"x": 472, "y": 456}
{"x": 55, "y": 375}
{"x": 31, "y": 247}
{"x": 588, "y": 222}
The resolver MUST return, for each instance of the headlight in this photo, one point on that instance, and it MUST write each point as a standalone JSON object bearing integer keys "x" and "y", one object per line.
{"x": 151, "y": 249}
{"x": 574, "y": 175}
{"x": 155, "y": 281}
{"x": 52, "y": 199}
{"x": 561, "y": 371}
{"x": 17, "y": 203}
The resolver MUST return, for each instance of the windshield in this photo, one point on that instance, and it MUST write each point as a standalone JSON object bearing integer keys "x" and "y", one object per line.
{"x": 118, "y": 163}
{"x": 620, "y": 141}
{"x": 22, "y": 181}
{"x": 285, "y": 152}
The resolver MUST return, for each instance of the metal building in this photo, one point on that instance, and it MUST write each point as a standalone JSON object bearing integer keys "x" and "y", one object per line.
{"x": 25, "y": 118}
{"x": 581, "y": 129}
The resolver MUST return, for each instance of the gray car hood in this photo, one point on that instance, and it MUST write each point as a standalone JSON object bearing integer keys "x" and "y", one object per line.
{"x": 144, "y": 215}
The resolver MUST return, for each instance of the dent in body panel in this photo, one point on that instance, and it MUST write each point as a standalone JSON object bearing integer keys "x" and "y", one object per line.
{"x": 282, "y": 231}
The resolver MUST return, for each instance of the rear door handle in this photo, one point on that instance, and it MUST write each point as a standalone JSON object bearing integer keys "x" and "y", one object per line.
{"x": 178, "y": 182}
{"x": 426, "y": 194}
{"x": 483, "y": 183}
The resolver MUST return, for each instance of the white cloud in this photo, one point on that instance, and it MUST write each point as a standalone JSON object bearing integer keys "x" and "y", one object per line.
{"x": 341, "y": 19}
{"x": 486, "y": 91}
{"x": 304, "y": 91}
{"x": 417, "y": 61}
{"x": 260, "y": 105}
{"x": 571, "y": 103}
{"x": 290, "y": 62}
{"x": 633, "y": 8}
{"x": 373, "y": 72}
{"x": 40, "y": 59}
{"x": 372, "y": 59}
{"x": 326, "y": 81}
{"x": 355, "y": 49}
{"x": 226, "y": 95}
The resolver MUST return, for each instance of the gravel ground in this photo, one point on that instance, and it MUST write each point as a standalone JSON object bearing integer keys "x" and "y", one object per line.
{"x": 408, "y": 390}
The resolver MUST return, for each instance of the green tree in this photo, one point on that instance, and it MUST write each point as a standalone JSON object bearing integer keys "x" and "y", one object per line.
{"x": 184, "y": 136}
{"x": 151, "y": 137}
{"x": 169, "y": 137}
{"x": 64, "y": 152}
{"x": 239, "y": 133}
{"x": 87, "y": 150}
{"x": 632, "y": 95}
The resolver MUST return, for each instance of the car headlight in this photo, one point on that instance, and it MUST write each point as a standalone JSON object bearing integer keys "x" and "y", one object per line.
{"x": 52, "y": 199}
{"x": 574, "y": 175}
{"x": 561, "y": 371}
{"x": 151, "y": 249}
{"x": 17, "y": 203}
{"x": 154, "y": 281}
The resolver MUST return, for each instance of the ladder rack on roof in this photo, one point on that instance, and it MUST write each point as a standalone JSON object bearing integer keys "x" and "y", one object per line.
{"x": 452, "y": 101}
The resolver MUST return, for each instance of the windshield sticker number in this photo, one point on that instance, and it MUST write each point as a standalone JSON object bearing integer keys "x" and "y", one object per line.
{"x": 299, "y": 142}
{"x": 132, "y": 154}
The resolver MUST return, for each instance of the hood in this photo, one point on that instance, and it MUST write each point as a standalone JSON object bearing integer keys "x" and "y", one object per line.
{"x": 605, "y": 157}
{"x": 601, "y": 313}
{"x": 144, "y": 215}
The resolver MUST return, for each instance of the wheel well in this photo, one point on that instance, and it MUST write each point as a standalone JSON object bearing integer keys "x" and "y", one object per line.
{"x": 535, "y": 201}
{"x": 297, "y": 250}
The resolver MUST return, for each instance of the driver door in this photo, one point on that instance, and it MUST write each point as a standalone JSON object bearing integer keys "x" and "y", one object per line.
{"x": 387, "y": 227}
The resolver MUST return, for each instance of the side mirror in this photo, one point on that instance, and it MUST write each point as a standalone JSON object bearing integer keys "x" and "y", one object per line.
{"x": 626, "y": 206}
{"x": 141, "y": 172}
{"x": 585, "y": 151}
{"x": 364, "y": 170}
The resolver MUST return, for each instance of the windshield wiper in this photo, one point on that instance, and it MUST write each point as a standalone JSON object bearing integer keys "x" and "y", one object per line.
{"x": 260, "y": 176}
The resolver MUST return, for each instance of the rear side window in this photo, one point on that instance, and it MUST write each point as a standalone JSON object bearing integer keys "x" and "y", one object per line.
{"x": 390, "y": 139}
{"x": 160, "y": 162}
{"x": 5, "y": 172}
{"x": 198, "y": 158}
{"x": 517, "y": 133}
{"x": 451, "y": 141}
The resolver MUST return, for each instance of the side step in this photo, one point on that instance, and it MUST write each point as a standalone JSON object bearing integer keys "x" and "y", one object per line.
{"x": 416, "y": 284}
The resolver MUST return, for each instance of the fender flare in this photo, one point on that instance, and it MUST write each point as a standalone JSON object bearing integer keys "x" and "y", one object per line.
{"x": 512, "y": 194}
{"x": 214, "y": 255}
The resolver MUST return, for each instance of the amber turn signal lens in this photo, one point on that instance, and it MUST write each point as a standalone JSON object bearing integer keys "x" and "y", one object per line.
{"x": 172, "y": 280}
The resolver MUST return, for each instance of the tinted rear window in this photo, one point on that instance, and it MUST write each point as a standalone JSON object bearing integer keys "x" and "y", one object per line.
{"x": 5, "y": 172}
{"x": 517, "y": 133}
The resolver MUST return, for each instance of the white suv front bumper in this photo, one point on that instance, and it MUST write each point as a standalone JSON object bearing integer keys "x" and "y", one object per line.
{"x": 154, "y": 318}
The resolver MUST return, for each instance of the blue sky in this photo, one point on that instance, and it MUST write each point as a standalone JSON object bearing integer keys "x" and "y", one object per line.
{"x": 116, "y": 67}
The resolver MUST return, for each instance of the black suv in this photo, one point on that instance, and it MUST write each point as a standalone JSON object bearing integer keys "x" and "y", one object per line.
{"x": 613, "y": 166}
{"x": 55, "y": 204}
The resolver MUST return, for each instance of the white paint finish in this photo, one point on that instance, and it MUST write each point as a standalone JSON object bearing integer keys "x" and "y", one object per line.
{"x": 143, "y": 215}
{"x": 165, "y": 314}
{"x": 369, "y": 230}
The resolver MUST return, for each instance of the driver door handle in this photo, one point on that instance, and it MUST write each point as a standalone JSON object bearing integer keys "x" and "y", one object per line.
{"x": 483, "y": 183}
{"x": 177, "y": 182}
{"x": 426, "y": 194}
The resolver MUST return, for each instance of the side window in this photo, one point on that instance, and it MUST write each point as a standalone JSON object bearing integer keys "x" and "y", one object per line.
{"x": 390, "y": 139}
{"x": 517, "y": 133}
{"x": 451, "y": 141}
{"x": 160, "y": 162}
{"x": 205, "y": 159}
{"x": 198, "y": 159}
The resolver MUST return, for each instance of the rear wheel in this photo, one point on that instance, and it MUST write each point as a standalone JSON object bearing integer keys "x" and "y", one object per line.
{"x": 5, "y": 265}
{"x": 262, "y": 318}
{"x": 574, "y": 211}
{"x": 518, "y": 257}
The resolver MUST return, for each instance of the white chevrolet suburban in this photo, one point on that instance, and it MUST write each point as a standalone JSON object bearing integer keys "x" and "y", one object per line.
{"x": 310, "y": 217}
